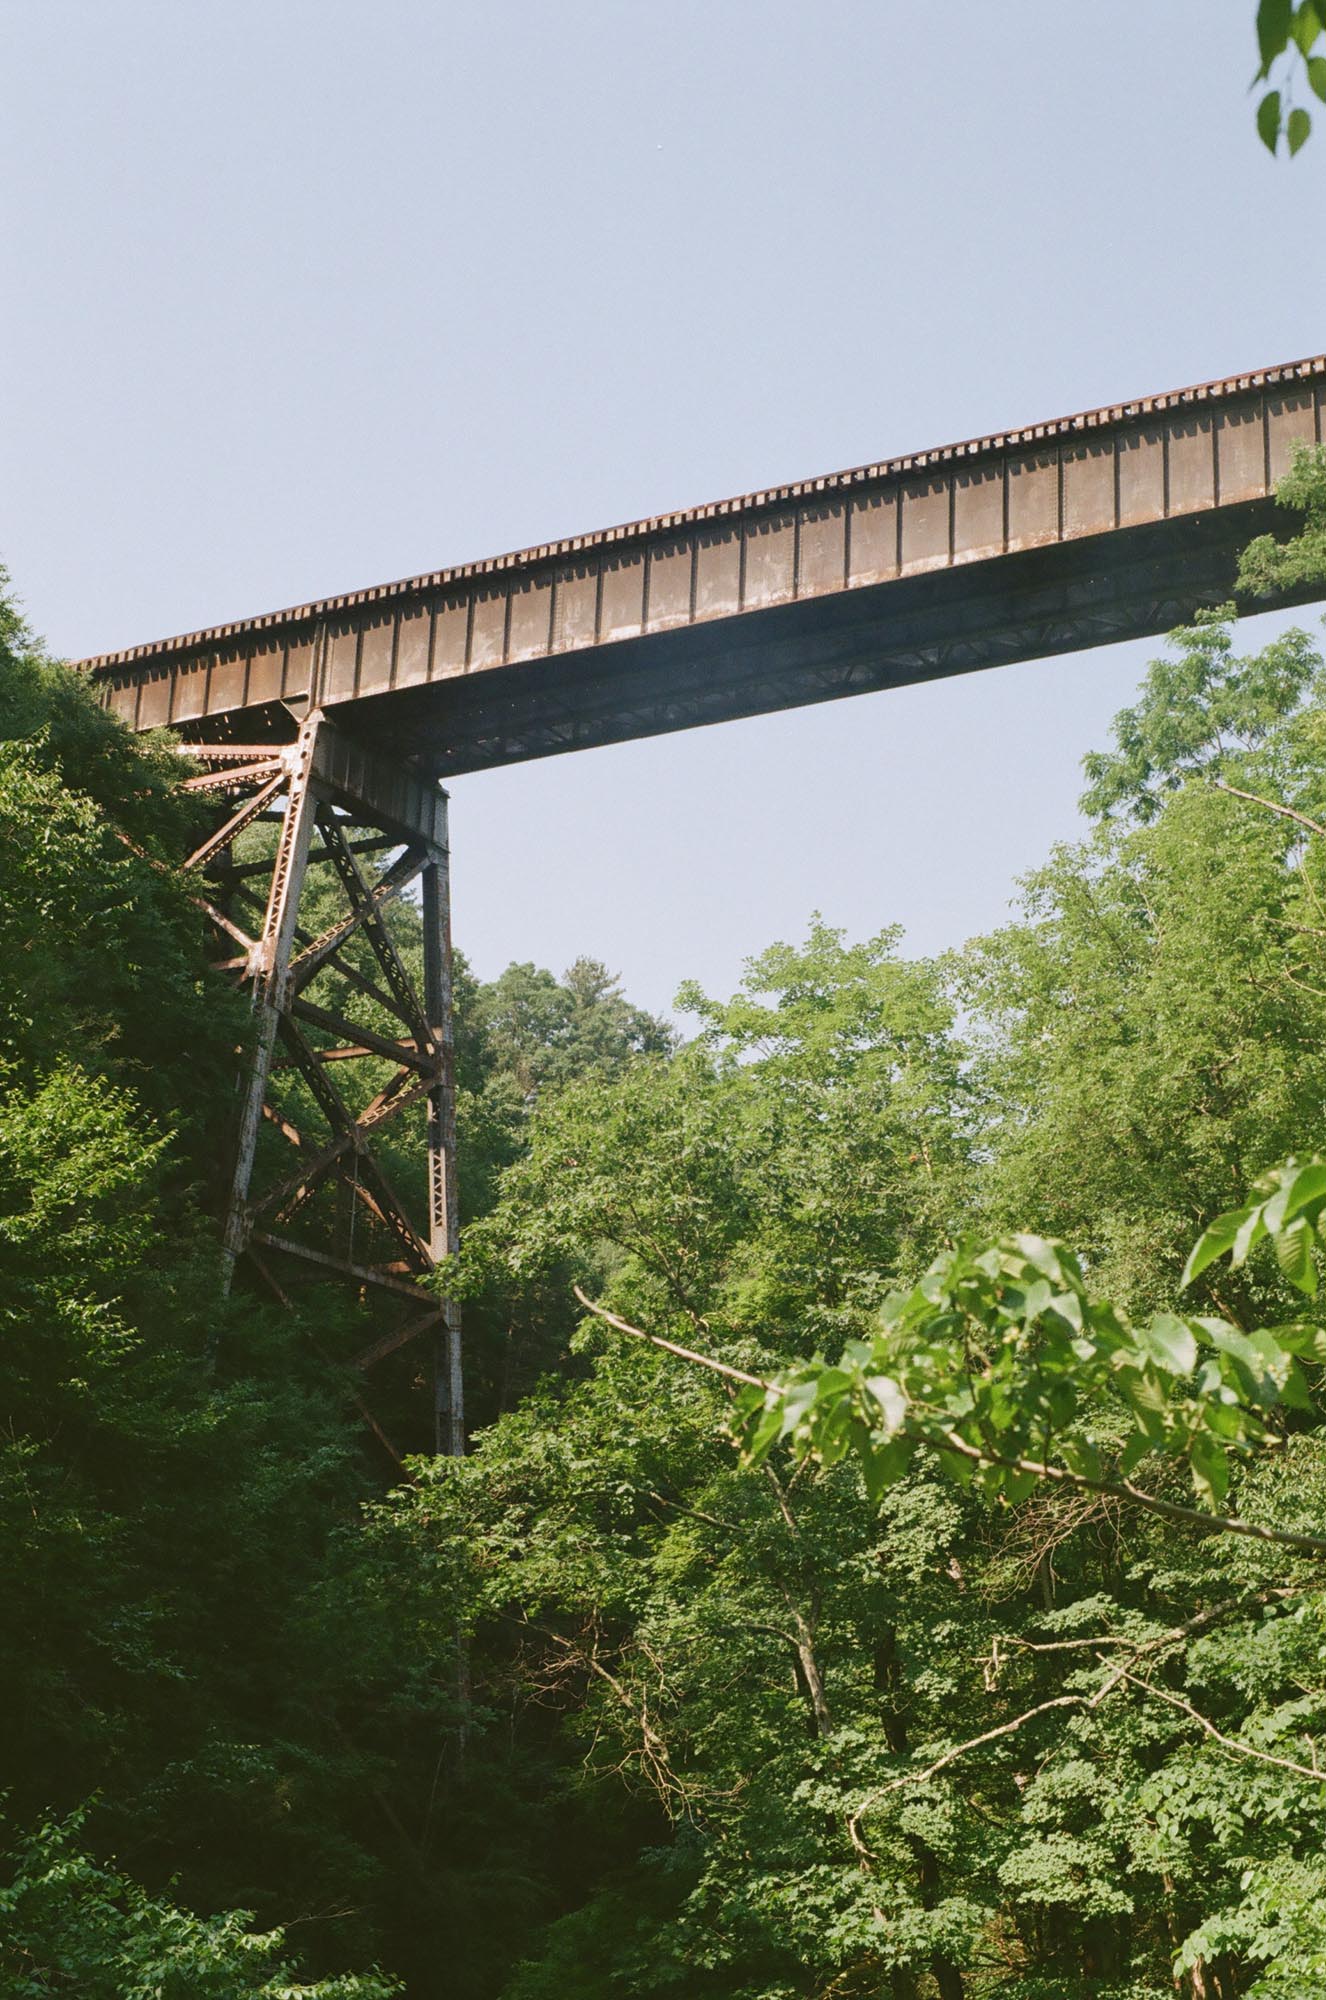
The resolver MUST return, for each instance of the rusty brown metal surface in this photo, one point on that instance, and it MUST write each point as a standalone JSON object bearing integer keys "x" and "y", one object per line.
{"x": 1103, "y": 525}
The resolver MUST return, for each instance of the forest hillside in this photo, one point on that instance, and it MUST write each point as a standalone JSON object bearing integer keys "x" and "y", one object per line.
{"x": 886, "y": 1564}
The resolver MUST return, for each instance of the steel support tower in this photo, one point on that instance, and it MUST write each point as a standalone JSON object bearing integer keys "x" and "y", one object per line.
{"x": 307, "y": 1193}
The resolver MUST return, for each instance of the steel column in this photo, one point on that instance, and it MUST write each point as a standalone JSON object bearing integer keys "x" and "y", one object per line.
{"x": 443, "y": 1201}
{"x": 269, "y": 965}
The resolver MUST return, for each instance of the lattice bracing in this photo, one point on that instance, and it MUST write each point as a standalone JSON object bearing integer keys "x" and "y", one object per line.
{"x": 349, "y": 1085}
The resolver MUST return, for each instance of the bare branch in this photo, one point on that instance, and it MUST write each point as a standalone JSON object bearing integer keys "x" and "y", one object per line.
{"x": 652, "y": 1755}
{"x": 1272, "y": 805}
{"x": 689, "y": 1513}
{"x": 1230, "y": 1743}
{"x": 1212, "y": 1615}
{"x": 670, "y": 1346}
{"x": 1088, "y": 1701}
{"x": 1123, "y": 1489}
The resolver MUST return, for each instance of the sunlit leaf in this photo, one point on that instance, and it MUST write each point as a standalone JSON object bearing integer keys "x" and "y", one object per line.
{"x": 1258, "y": 1362}
{"x": 882, "y": 1465}
{"x": 1213, "y": 1242}
{"x": 1294, "y": 1390}
{"x": 1298, "y": 128}
{"x": 1307, "y": 1189}
{"x": 1293, "y": 1252}
{"x": 1168, "y": 1342}
{"x": 796, "y": 1402}
{"x": 1307, "y": 25}
{"x": 1042, "y": 1255}
{"x": 1275, "y": 19}
{"x": 890, "y": 1398}
{"x": 1302, "y": 1339}
{"x": 1133, "y": 1453}
{"x": 764, "y": 1433}
{"x": 1036, "y": 1299}
{"x": 1210, "y": 1469}
{"x": 830, "y": 1382}
{"x": 1147, "y": 1402}
{"x": 1299, "y": 1190}
{"x": 1081, "y": 1457}
{"x": 1251, "y": 1230}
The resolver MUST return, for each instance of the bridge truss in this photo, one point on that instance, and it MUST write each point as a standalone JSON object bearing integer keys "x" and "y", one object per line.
{"x": 309, "y": 845}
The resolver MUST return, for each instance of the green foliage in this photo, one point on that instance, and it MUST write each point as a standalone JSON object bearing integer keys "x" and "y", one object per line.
{"x": 886, "y": 1735}
{"x": 544, "y": 1032}
{"x": 72, "y": 1925}
{"x": 1000, "y": 1361}
{"x": 1150, "y": 1037}
{"x": 1203, "y": 709}
{"x": 1278, "y": 1927}
{"x": 197, "y": 1628}
{"x": 880, "y": 1709}
{"x": 1291, "y": 35}
{"x": 152, "y": 1506}
{"x": 774, "y": 1167}
{"x": 1288, "y": 1211}
{"x": 1299, "y": 564}
{"x": 1149, "y": 1032}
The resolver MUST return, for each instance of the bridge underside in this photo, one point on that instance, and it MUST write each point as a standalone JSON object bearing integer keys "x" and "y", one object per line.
{"x": 1028, "y": 606}
{"x": 1111, "y": 525}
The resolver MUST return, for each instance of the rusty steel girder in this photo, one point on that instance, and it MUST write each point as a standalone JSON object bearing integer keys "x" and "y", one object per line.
{"x": 1109, "y": 524}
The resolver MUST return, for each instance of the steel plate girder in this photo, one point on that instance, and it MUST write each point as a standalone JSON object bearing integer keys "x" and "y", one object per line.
{"x": 428, "y": 663}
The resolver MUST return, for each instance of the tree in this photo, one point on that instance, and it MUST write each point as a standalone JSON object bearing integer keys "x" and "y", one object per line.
{"x": 167, "y": 1518}
{"x": 198, "y": 1635}
{"x": 74, "y": 1925}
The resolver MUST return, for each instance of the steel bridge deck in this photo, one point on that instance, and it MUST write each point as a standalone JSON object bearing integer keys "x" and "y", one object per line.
{"x": 1108, "y": 525}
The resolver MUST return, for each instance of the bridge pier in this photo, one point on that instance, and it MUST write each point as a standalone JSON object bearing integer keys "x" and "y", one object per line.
{"x": 310, "y": 1197}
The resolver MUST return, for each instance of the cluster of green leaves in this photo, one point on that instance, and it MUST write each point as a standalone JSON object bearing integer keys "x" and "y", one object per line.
{"x": 863, "y": 1741}
{"x": 690, "y": 1623}
{"x": 70, "y": 1924}
{"x": 777, "y": 1153}
{"x": 1297, "y": 564}
{"x": 1202, "y": 707}
{"x": 1289, "y": 29}
{"x": 1287, "y": 1209}
{"x": 1001, "y": 1363}
{"x": 151, "y": 1507}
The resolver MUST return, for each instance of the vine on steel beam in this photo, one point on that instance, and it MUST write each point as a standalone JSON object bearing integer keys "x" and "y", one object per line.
{"x": 309, "y": 1197}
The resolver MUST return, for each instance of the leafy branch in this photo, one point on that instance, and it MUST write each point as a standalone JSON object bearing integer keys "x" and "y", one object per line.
{"x": 1119, "y": 1673}
{"x": 1233, "y": 1744}
{"x": 1286, "y": 31}
{"x": 1001, "y": 1364}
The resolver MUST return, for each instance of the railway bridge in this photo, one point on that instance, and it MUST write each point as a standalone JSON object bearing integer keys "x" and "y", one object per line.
{"x": 335, "y": 722}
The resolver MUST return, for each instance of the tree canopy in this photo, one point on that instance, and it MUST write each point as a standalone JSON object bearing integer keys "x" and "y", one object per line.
{"x": 890, "y": 1558}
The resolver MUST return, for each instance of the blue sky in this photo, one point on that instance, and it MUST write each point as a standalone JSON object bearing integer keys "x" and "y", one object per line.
{"x": 308, "y": 294}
